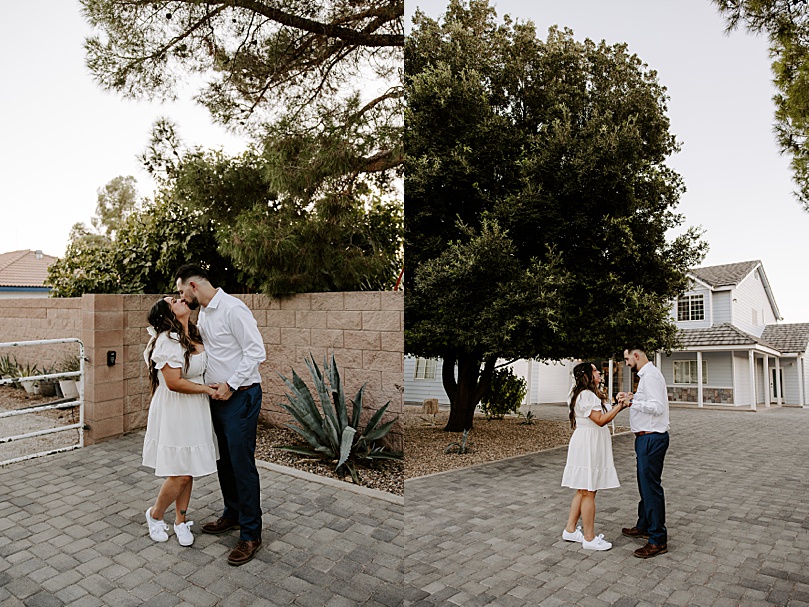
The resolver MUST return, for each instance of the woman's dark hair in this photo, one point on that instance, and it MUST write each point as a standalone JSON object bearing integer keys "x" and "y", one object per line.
{"x": 584, "y": 379}
{"x": 162, "y": 319}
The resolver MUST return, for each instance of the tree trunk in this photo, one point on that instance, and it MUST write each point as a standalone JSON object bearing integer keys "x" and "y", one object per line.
{"x": 465, "y": 392}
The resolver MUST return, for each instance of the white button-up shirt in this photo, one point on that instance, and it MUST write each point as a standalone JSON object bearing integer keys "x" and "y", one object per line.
{"x": 232, "y": 340}
{"x": 650, "y": 405}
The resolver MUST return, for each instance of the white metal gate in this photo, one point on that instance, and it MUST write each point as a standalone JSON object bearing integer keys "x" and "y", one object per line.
{"x": 68, "y": 404}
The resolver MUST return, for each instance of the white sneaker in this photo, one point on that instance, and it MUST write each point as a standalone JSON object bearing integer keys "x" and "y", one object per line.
{"x": 598, "y": 543}
{"x": 576, "y": 536}
{"x": 157, "y": 529}
{"x": 184, "y": 535}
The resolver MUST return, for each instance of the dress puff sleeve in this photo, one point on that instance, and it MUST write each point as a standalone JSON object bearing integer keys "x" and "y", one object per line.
{"x": 586, "y": 403}
{"x": 168, "y": 351}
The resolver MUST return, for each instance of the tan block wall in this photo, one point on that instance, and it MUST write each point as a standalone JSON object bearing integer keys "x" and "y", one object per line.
{"x": 40, "y": 318}
{"x": 364, "y": 332}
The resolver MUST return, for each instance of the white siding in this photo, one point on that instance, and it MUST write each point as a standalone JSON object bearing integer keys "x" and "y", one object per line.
{"x": 750, "y": 296}
{"x": 741, "y": 376}
{"x": 790, "y": 387}
{"x": 416, "y": 390}
{"x": 24, "y": 294}
{"x": 547, "y": 382}
{"x": 550, "y": 382}
{"x": 722, "y": 307}
{"x": 555, "y": 380}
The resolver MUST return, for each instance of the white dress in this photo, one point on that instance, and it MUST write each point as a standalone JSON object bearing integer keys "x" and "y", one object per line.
{"x": 180, "y": 439}
{"x": 589, "y": 454}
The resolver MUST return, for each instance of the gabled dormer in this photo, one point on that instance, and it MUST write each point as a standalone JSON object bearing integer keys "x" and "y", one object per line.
{"x": 735, "y": 293}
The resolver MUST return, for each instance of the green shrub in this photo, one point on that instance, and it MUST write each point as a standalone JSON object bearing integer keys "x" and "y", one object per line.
{"x": 333, "y": 435}
{"x": 505, "y": 394}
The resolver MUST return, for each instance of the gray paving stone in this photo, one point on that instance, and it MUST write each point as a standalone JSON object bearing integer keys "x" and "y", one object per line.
{"x": 73, "y": 556}
{"x": 737, "y": 531}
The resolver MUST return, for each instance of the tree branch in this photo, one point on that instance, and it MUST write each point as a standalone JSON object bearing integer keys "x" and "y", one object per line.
{"x": 316, "y": 27}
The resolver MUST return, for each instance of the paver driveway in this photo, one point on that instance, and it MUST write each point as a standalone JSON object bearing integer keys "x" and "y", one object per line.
{"x": 71, "y": 533}
{"x": 737, "y": 514}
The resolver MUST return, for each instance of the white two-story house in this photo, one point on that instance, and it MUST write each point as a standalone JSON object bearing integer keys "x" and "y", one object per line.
{"x": 734, "y": 354}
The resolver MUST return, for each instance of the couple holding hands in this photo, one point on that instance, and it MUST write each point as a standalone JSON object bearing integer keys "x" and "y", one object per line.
{"x": 589, "y": 459}
{"x": 203, "y": 416}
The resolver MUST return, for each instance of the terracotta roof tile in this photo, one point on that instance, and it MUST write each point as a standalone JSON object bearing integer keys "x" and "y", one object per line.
{"x": 23, "y": 269}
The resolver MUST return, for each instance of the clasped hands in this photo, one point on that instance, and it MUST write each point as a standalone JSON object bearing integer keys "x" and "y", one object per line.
{"x": 625, "y": 398}
{"x": 220, "y": 391}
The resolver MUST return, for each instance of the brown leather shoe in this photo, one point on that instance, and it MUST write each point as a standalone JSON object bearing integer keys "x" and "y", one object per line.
{"x": 220, "y": 526}
{"x": 244, "y": 552}
{"x": 650, "y": 550}
{"x": 634, "y": 532}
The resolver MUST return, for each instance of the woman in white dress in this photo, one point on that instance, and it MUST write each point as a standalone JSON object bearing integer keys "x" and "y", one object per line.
{"x": 589, "y": 455}
{"x": 180, "y": 443}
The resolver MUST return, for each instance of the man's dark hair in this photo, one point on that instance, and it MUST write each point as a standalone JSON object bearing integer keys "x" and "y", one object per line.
{"x": 636, "y": 346}
{"x": 190, "y": 270}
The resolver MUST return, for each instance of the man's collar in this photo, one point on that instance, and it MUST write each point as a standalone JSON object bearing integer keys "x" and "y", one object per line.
{"x": 215, "y": 299}
{"x": 642, "y": 370}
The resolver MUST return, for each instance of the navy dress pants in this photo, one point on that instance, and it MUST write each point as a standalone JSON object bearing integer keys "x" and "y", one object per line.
{"x": 650, "y": 450}
{"x": 235, "y": 422}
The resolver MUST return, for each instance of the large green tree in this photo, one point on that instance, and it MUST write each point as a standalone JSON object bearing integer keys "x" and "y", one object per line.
{"x": 786, "y": 24}
{"x": 538, "y": 199}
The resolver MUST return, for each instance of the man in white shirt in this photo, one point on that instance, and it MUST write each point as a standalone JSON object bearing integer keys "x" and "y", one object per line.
{"x": 235, "y": 350}
{"x": 649, "y": 420}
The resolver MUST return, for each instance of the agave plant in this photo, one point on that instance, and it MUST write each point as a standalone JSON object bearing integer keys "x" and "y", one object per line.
{"x": 333, "y": 436}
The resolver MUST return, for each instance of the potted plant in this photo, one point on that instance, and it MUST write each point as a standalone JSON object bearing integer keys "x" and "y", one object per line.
{"x": 27, "y": 370}
{"x": 69, "y": 385}
{"x": 47, "y": 387}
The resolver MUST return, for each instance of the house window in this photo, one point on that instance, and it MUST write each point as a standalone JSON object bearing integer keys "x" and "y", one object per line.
{"x": 425, "y": 368}
{"x": 691, "y": 307}
{"x": 685, "y": 372}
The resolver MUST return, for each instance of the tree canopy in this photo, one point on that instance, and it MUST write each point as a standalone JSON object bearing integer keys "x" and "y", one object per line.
{"x": 786, "y": 23}
{"x": 538, "y": 199}
{"x": 315, "y": 202}
{"x": 143, "y": 254}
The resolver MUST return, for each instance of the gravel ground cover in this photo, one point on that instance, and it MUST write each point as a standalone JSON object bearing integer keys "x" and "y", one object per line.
{"x": 488, "y": 441}
{"x": 16, "y": 398}
{"x": 385, "y": 475}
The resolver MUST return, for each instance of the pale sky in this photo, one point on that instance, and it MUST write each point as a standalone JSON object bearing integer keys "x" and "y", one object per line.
{"x": 738, "y": 186}
{"x": 61, "y": 136}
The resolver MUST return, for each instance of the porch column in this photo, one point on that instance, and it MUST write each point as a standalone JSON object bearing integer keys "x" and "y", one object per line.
{"x": 700, "y": 402}
{"x": 778, "y": 400}
{"x": 751, "y": 357}
{"x": 801, "y": 395}
{"x": 610, "y": 377}
{"x": 766, "y": 387}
